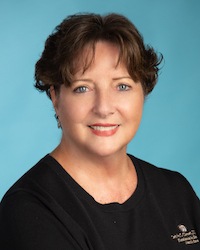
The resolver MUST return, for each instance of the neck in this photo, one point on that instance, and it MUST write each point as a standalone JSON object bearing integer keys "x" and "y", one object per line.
{"x": 109, "y": 165}
{"x": 107, "y": 179}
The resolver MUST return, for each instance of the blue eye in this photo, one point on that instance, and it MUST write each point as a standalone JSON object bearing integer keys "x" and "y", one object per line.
{"x": 81, "y": 89}
{"x": 123, "y": 87}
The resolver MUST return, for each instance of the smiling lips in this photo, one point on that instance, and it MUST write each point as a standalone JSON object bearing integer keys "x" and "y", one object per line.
{"x": 104, "y": 129}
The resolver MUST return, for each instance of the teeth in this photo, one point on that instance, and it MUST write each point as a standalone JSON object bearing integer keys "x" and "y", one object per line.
{"x": 101, "y": 128}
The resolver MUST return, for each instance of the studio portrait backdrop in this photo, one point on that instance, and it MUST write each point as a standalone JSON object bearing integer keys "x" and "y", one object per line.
{"x": 169, "y": 134}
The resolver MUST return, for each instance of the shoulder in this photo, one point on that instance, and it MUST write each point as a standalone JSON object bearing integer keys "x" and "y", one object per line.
{"x": 39, "y": 185}
{"x": 32, "y": 200}
{"x": 45, "y": 185}
{"x": 152, "y": 172}
{"x": 34, "y": 175}
{"x": 31, "y": 218}
{"x": 160, "y": 181}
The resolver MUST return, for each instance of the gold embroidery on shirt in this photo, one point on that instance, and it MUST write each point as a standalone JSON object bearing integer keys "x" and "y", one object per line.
{"x": 185, "y": 236}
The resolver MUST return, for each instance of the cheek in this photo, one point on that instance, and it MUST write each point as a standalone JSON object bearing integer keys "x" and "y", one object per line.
{"x": 133, "y": 108}
{"x": 72, "y": 111}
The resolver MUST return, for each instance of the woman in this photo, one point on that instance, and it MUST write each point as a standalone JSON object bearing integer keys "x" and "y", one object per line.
{"x": 89, "y": 193}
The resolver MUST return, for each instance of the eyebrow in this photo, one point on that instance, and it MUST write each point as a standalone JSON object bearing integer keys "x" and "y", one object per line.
{"x": 83, "y": 80}
{"x": 121, "y": 77}
{"x": 90, "y": 80}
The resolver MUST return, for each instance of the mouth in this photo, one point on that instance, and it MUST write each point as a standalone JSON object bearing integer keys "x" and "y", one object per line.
{"x": 104, "y": 129}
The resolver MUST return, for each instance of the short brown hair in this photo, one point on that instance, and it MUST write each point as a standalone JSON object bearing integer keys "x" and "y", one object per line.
{"x": 65, "y": 45}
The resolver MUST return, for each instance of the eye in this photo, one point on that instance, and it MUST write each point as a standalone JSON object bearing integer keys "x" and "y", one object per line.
{"x": 123, "y": 87}
{"x": 81, "y": 89}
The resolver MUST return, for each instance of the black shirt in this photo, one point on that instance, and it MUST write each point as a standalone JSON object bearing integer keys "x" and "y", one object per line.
{"x": 46, "y": 209}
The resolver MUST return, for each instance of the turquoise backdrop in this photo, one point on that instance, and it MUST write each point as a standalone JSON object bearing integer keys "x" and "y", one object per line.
{"x": 169, "y": 134}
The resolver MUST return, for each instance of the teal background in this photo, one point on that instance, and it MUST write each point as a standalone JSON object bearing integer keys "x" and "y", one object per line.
{"x": 169, "y": 134}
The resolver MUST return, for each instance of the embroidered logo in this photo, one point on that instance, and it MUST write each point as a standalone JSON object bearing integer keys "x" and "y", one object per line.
{"x": 184, "y": 236}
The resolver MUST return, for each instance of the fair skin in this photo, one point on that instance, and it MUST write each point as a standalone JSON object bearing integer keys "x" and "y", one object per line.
{"x": 100, "y": 113}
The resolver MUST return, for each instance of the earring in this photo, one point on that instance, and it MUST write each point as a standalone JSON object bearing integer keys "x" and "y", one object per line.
{"x": 58, "y": 121}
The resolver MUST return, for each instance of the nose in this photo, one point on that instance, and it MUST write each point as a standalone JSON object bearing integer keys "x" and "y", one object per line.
{"x": 103, "y": 103}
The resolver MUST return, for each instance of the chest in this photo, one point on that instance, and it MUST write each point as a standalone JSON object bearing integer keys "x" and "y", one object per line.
{"x": 144, "y": 228}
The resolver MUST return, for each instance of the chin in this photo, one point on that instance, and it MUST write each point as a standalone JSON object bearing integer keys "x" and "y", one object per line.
{"x": 109, "y": 152}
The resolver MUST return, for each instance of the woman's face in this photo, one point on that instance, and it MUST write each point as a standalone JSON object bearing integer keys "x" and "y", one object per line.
{"x": 100, "y": 112}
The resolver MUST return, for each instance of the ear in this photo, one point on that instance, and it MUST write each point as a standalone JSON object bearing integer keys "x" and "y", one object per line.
{"x": 54, "y": 97}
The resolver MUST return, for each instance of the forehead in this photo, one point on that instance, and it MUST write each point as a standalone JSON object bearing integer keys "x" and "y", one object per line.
{"x": 93, "y": 52}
